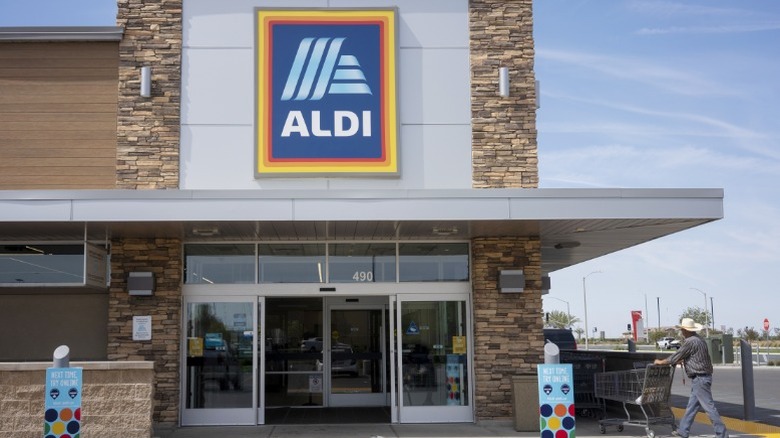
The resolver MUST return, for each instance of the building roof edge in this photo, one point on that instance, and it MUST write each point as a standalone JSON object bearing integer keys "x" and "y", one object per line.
{"x": 61, "y": 33}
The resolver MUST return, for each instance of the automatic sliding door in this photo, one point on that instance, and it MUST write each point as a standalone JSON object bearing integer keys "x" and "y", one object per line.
{"x": 357, "y": 357}
{"x": 293, "y": 352}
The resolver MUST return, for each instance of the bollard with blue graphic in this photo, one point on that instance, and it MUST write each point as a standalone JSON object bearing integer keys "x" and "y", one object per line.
{"x": 556, "y": 400}
{"x": 63, "y": 403}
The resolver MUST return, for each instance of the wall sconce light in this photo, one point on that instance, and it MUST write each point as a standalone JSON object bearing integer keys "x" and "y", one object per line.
{"x": 567, "y": 244}
{"x": 511, "y": 281}
{"x": 545, "y": 284}
{"x": 503, "y": 81}
{"x": 140, "y": 283}
{"x": 146, "y": 81}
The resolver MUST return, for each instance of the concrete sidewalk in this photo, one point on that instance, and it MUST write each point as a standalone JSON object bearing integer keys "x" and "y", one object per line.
{"x": 728, "y": 398}
{"x": 584, "y": 428}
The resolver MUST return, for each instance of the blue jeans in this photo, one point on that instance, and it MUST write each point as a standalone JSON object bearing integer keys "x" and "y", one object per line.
{"x": 701, "y": 396}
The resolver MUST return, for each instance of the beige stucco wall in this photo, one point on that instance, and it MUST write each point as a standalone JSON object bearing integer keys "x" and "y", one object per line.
{"x": 117, "y": 399}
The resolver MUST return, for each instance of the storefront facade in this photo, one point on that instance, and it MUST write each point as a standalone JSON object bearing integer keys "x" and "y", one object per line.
{"x": 297, "y": 206}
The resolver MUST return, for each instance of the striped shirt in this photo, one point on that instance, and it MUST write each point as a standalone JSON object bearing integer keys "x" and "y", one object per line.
{"x": 694, "y": 355}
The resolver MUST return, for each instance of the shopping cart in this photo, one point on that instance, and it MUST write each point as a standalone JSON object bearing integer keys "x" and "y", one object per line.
{"x": 647, "y": 388}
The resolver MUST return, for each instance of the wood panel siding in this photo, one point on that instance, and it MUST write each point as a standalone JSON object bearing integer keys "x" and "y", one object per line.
{"x": 58, "y": 104}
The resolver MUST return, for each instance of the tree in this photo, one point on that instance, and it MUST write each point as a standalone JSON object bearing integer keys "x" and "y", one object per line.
{"x": 579, "y": 331}
{"x": 748, "y": 333}
{"x": 697, "y": 314}
{"x": 559, "y": 319}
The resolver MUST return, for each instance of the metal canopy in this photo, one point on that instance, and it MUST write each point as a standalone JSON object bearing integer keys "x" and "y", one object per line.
{"x": 574, "y": 225}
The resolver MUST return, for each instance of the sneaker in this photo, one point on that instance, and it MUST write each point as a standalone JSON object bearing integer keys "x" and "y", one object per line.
{"x": 678, "y": 434}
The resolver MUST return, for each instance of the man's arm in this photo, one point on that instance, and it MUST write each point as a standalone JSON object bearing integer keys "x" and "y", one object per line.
{"x": 683, "y": 352}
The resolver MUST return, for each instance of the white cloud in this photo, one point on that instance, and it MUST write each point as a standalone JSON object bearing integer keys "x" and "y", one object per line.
{"x": 677, "y": 9}
{"x": 684, "y": 124}
{"x": 635, "y": 69}
{"x": 717, "y": 29}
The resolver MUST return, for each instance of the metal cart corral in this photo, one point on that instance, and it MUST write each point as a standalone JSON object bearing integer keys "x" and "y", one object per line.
{"x": 584, "y": 368}
{"x": 647, "y": 388}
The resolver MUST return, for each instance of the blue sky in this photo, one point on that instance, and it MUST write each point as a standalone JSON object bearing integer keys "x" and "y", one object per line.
{"x": 641, "y": 93}
{"x": 57, "y": 12}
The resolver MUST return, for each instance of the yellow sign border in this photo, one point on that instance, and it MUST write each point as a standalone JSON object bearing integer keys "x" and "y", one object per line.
{"x": 390, "y": 165}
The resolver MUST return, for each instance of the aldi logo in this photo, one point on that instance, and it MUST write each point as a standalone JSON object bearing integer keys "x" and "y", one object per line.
{"x": 326, "y": 93}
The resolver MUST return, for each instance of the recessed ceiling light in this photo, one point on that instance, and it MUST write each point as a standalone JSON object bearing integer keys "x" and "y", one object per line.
{"x": 445, "y": 231}
{"x": 205, "y": 231}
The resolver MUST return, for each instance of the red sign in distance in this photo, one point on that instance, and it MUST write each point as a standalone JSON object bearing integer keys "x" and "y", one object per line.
{"x": 766, "y": 324}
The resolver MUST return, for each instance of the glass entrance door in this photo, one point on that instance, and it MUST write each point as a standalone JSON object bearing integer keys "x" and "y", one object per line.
{"x": 293, "y": 353}
{"x": 434, "y": 361}
{"x": 358, "y": 367}
{"x": 219, "y": 378}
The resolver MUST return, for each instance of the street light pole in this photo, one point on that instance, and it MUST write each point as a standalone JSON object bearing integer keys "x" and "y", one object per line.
{"x": 585, "y": 302}
{"x": 568, "y": 311}
{"x": 706, "y": 318}
{"x": 712, "y": 312}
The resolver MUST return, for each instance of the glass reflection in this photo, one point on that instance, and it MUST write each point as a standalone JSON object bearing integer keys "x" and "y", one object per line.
{"x": 43, "y": 264}
{"x": 356, "y": 351}
{"x": 219, "y": 264}
{"x": 362, "y": 262}
{"x": 420, "y": 261}
{"x": 291, "y": 263}
{"x": 219, "y": 355}
{"x": 293, "y": 352}
{"x": 434, "y": 359}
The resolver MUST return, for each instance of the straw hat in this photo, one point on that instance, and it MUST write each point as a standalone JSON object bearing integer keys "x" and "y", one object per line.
{"x": 689, "y": 325}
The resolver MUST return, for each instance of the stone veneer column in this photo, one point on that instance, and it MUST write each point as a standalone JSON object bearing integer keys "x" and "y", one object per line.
{"x": 504, "y": 150}
{"x": 163, "y": 258}
{"x": 148, "y": 127}
{"x": 508, "y": 338}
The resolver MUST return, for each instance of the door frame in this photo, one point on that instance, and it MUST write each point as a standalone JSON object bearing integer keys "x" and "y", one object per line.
{"x": 435, "y": 414}
{"x": 392, "y": 294}
{"x": 218, "y": 416}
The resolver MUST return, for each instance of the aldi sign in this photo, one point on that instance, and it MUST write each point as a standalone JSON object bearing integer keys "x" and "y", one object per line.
{"x": 326, "y": 93}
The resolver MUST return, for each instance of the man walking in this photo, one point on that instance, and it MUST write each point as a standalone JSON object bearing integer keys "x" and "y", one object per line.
{"x": 696, "y": 362}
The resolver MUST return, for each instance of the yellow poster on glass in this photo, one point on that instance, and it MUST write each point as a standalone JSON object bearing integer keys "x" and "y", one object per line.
{"x": 458, "y": 345}
{"x": 195, "y": 347}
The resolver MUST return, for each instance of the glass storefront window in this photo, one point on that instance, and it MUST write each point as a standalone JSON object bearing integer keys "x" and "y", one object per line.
{"x": 41, "y": 264}
{"x": 219, "y": 367}
{"x": 362, "y": 262}
{"x": 219, "y": 264}
{"x": 433, "y": 261}
{"x": 306, "y": 263}
{"x": 292, "y": 263}
{"x": 293, "y": 352}
{"x": 434, "y": 359}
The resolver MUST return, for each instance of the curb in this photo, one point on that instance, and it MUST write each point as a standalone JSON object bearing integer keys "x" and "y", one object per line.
{"x": 735, "y": 424}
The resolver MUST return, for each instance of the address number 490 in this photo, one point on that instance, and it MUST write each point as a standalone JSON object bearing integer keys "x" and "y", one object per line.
{"x": 363, "y": 276}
